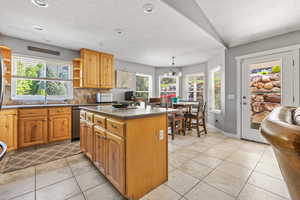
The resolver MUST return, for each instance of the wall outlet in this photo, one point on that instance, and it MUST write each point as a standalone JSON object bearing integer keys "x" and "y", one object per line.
{"x": 161, "y": 134}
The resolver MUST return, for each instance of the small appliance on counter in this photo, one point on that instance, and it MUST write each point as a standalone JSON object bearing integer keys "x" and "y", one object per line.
{"x": 104, "y": 98}
{"x": 129, "y": 96}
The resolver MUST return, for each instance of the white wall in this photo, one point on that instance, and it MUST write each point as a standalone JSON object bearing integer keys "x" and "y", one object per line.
{"x": 133, "y": 68}
{"x": 230, "y": 71}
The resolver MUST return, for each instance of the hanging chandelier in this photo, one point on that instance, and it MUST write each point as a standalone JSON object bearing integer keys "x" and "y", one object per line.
{"x": 172, "y": 71}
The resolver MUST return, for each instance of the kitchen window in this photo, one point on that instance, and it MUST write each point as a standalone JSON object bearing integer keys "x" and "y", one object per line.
{"x": 168, "y": 86}
{"x": 195, "y": 87}
{"x": 37, "y": 79}
{"x": 216, "y": 77}
{"x": 143, "y": 86}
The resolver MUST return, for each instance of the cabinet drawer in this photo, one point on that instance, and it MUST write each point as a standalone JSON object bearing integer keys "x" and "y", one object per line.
{"x": 59, "y": 110}
{"x": 116, "y": 127}
{"x": 89, "y": 116}
{"x": 33, "y": 112}
{"x": 99, "y": 121}
{"x": 82, "y": 114}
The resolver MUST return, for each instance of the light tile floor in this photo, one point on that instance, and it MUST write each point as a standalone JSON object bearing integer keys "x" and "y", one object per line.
{"x": 213, "y": 167}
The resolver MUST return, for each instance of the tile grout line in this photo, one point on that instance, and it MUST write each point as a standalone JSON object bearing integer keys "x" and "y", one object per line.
{"x": 73, "y": 176}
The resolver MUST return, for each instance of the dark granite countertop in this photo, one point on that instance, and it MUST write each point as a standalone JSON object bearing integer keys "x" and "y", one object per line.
{"x": 130, "y": 113}
{"x": 46, "y": 105}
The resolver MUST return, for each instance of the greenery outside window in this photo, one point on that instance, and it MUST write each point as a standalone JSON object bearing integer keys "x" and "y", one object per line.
{"x": 143, "y": 86}
{"x": 37, "y": 79}
{"x": 195, "y": 84}
{"x": 168, "y": 86}
{"x": 216, "y": 89}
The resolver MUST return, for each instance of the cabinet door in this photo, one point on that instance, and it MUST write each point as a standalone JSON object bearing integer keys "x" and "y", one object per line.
{"x": 59, "y": 127}
{"x": 83, "y": 129}
{"x": 8, "y": 129}
{"x": 107, "y": 71}
{"x": 90, "y": 68}
{"x": 100, "y": 149}
{"x": 115, "y": 167}
{"x": 90, "y": 141}
{"x": 32, "y": 131}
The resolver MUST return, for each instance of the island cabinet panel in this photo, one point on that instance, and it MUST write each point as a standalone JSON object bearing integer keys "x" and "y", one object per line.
{"x": 146, "y": 154}
{"x": 90, "y": 141}
{"x": 100, "y": 149}
{"x": 33, "y": 130}
{"x": 59, "y": 127}
{"x": 90, "y": 63}
{"x": 115, "y": 168}
{"x": 8, "y": 128}
{"x": 83, "y": 135}
{"x": 107, "y": 71}
{"x": 116, "y": 127}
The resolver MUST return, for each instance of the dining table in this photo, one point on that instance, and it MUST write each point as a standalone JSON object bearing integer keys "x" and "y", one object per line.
{"x": 188, "y": 105}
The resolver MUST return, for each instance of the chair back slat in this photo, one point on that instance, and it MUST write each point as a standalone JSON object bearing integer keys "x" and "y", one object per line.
{"x": 3, "y": 149}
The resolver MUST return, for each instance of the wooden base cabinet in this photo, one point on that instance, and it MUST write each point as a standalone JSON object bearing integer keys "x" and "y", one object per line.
{"x": 59, "y": 124}
{"x": 90, "y": 141}
{"x": 8, "y": 128}
{"x": 100, "y": 149}
{"x": 132, "y": 154}
{"x": 115, "y": 167}
{"x": 33, "y": 130}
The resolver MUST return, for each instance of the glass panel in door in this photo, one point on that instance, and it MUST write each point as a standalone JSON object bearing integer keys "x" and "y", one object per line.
{"x": 265, "y": 90}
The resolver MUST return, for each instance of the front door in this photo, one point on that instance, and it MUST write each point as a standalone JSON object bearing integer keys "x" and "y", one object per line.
{"x": 267, "y": 82}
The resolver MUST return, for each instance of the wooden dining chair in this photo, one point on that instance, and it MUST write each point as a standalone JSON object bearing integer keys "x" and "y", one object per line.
{"x": 155, "y": 101}
{"x": 176, "y": 121}
{"x": 197, "y": 119}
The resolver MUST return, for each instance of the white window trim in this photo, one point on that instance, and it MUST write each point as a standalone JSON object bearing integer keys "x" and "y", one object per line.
{"x": 186, "y": 85}
{"x": 150, "y": 91}
{"x": 177, "y": 84}
{"x": 212, "y": 72}
{"x": 40, "y": 97}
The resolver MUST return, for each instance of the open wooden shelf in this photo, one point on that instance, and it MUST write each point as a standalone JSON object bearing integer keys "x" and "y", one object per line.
{"x": 77, "y": 73}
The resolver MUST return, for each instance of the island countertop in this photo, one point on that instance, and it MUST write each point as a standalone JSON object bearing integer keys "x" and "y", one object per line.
{"x": 129, "y": 113}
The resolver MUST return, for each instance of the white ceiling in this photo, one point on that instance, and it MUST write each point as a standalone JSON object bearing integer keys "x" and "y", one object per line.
{"x": 243, "y": 21}
{"x": 150, "y": 39}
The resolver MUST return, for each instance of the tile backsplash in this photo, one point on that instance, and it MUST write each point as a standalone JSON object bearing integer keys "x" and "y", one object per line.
{"x": 80, "y": 96}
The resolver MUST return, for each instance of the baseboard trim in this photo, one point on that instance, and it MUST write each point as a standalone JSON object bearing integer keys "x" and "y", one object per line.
{"x": 232, "y": 135}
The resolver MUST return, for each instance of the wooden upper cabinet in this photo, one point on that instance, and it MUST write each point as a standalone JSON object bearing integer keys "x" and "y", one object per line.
{"x": 115, "y": 167}
{"x": 32, "y": 130}
{"x": 8, "y": 128}
{"x": 98, "y": 69}
{"x": 90, "y": 67}
{"x": 107, "y": 71}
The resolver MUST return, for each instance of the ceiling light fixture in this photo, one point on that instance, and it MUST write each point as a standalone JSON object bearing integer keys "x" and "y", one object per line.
{"x": 38, "y": 28}
{"x": 40, "y": 3}
{"x": 148, "y": 8}
{"x": 173, "y": 72}
{"x": 119, "y": 31}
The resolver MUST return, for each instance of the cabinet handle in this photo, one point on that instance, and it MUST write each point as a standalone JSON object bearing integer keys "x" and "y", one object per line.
{"x": 113, "y": 126}
{"x": 99, "y": 122}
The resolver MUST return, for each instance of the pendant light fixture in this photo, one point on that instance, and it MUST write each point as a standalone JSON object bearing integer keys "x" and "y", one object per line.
{"x": 173, "y": 72}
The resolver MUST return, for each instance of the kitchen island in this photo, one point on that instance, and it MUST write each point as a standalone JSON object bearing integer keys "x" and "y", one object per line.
{"x": 128, "y": 146}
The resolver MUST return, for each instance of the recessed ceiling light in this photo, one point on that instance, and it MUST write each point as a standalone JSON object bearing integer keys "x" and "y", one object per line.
{"x": 40, "y": 3}
{"x": 148, "y": 8}
{"x": 119, "y": 31}
{"x": 38, "y": 28}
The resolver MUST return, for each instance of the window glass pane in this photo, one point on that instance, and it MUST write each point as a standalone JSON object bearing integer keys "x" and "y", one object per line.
{"x": 217, "y": 90}
{"x": 196, "y": 87}
{"x": 142, "y": 94}
{"x": 168, "y": 84}
{"x": 58, "y": 71}
{"x": 26, "y": 87}
{"x": 29, "y": 67}
{"x": 142, "y": 83}
{"x": 59, "y": 89}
